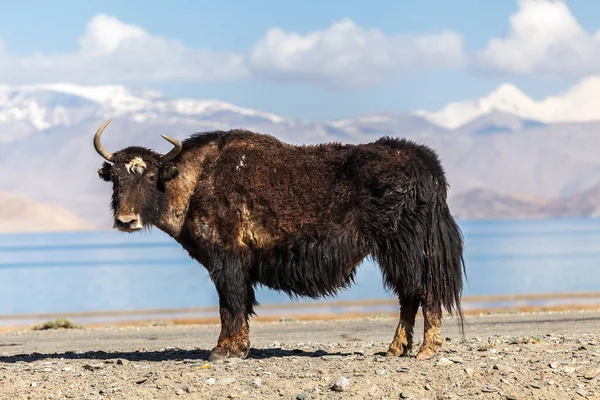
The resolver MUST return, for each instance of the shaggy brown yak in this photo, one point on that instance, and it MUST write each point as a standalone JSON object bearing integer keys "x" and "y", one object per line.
{"x": 298, "y": 219}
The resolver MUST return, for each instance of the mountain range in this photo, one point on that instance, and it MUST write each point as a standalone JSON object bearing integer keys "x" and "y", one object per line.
{"x": 506, "y": 155}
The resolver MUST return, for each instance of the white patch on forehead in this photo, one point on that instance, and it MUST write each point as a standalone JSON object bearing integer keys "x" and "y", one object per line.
{"x": 136, "y": 166}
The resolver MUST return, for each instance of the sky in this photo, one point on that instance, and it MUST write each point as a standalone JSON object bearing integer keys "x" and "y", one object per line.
{"x": 308, "y": 59}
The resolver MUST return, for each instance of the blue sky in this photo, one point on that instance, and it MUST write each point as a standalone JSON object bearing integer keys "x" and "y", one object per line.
{"x": 210, "y": 45}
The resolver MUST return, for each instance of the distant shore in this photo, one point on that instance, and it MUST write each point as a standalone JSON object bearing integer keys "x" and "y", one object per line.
{"x": 312, "y": 311}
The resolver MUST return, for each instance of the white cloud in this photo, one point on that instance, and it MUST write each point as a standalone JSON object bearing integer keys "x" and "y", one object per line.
{"x": 545, "y": 39}
{"x": 346, "y": 54}
{"x": 112, "y": 51}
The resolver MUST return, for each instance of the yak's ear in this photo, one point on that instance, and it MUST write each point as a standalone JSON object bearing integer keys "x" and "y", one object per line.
{"x": 168, "y": 172}
{"x": 104, "y": 172}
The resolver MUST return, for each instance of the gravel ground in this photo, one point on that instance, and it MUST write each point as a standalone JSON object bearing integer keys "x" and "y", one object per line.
{"x": 512, "y": 356}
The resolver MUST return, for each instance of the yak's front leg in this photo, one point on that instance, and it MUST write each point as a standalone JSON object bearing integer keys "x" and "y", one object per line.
{"x": 403, "y": 338}
{"x": 236, "y": 303}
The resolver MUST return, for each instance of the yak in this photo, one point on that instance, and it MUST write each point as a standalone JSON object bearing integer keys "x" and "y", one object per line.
{"x": 299, "y": 219}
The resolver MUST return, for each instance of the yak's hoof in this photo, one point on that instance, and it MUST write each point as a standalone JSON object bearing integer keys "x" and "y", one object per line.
{"x": 219, "y": 353}
{"x": 393, "y": 352}
{"x": 426, "y": 353}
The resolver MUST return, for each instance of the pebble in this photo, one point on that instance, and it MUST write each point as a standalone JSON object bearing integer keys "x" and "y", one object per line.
{"x": 180, "y": 392}
{"x": 93, "y": 367}
{"x": 469, "y": 371}
{"x": 341, "y": 384}
{"x": 456, "y": 359}
{"x": 535, "y": 386}
{"x": 569, "y": 370}
{"x": 444, "y": 362}
{"x": 380, "y": 372}
{"x": 210, "y": 381}
{"x": 593, "y": 372}
{"x": 33, "y": 384}
{"x": 121, "y": 361}
{"x": 405, "y": 394}
{"x": 330, "y": 357}
{"x": 257, "y": 382}
{"x": 201, "y": 365}
{"x": 489, "y": 389}
{"x": 301, "y": 396}
{"x": 582, "y": 392}
{"x": 511, "y": 397}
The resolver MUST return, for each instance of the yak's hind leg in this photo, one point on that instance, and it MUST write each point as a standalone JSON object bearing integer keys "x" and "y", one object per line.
{"x": 236, "y": 304}
{"x": 432, "y": 338}
{"x": 403, "y": 339}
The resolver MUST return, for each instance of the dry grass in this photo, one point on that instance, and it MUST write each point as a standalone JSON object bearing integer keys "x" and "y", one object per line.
{"x": 60, "y": 323}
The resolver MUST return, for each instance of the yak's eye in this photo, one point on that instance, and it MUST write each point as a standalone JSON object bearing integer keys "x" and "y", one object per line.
{"x": 151, "y": 177}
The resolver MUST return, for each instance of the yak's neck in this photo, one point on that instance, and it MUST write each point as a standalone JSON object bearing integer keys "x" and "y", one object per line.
{"x": 178, "y": 193}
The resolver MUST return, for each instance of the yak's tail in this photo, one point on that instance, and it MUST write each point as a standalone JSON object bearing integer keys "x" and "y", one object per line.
{"x": 444, "y": 266}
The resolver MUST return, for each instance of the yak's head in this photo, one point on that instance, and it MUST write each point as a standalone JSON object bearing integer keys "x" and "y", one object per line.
{"x": 138, "y": 176}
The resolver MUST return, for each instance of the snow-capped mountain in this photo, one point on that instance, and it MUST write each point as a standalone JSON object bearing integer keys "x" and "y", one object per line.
{"x": 577, "y": 104}
{"x": 504, "y": 142}
{"x": 28, "y": 109}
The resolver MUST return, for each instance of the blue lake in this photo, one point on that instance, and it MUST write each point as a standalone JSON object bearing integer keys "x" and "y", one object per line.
{"x": 108, "y": 270}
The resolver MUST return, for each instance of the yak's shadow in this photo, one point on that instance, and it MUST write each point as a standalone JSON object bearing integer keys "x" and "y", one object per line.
{"x": 157, "y": 356}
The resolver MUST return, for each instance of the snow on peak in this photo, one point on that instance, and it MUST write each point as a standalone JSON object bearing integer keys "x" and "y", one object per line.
{"x": 43, "y": 106}
{"x": 577, "y": 104}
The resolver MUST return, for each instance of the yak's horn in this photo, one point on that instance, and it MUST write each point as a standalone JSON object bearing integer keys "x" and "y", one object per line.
{"x": 98, "y": 146}
{"x": 174, "y": 151}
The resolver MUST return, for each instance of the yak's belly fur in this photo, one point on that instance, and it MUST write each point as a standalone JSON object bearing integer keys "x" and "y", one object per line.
{"x": 310, "y": 266}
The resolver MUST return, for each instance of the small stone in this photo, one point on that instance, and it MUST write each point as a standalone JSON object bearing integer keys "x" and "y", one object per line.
{"x": 341, "y": 384}
{"x": 180, "y": 392}
{"x": 511, "y": 397}
{"x": 428, "y": 387}
{"x": 569, "y": 370}
{"x": 210, "y": 381}
{"x": 226, "y": 381}
{"x": 330, "y": 357}
{"x": 469, "y": 371}
{"x": 121, "y": 361}
{"x": 257, "y": 382}
{"x": 301, "y": 396}
{"x": 489, "y": 389}
{"x": 93, "y": 367}
{"x": 232, "y": 396}
{"x": 592, "y": 372}
{"x": 582, "y": 392}
{"x": 554, "y": 365}
{"x": 140, "y": 381}
{"x": 535, "y": 386}
{"x": 205, "y": 365}
{"x": 456, "y": 359}
{"x": 443, "y": 362}
{"x": 33, "y": 384}
{"x": 380, "y": 372}
{"x": 405, "y": 394}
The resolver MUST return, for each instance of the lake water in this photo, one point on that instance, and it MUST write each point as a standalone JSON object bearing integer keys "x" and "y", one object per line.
{"x": 109, "y": 270}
